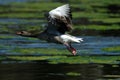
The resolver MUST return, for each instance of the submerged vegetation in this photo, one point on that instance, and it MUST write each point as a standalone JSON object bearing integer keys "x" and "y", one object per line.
{"x": 112, "y": 49}
{"x": 98, "y": 27}
{"x": 41, "y": 51}
{"x": 73, "y": 74}
{"x": 70, "y": 59}
{"x": 2, "y": 58}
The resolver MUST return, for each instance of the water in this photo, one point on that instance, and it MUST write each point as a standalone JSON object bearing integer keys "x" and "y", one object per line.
{"x": 94, "y": 44}
{"x": 39, "y": 71}
{"x": 11, "y": 1}
{"x": 90, "y": 45}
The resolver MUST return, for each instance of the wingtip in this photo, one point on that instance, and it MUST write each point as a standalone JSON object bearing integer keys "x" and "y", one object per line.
{"x": 67, "y": 5}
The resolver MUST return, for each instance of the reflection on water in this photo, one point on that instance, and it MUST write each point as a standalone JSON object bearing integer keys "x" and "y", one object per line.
{"x": 39, "y": 71}
{"x": 33, "y": 71}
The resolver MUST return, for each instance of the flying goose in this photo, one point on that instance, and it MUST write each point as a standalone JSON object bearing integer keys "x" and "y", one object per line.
{"x": 59, "y": 22}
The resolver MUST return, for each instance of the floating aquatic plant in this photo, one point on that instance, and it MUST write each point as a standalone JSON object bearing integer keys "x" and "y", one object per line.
{"x": 73, "y": 74}
{"x": 112, "y": 49}
{"x": 42, "y": 51}
{"x": 70, "y": 59}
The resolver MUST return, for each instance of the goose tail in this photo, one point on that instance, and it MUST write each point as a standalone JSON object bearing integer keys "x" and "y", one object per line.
{"x": 69, "y": 38}
{"x": 78, "y": 40}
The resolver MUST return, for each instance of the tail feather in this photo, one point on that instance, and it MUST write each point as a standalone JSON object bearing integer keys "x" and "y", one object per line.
{"x": 78, "y": 40}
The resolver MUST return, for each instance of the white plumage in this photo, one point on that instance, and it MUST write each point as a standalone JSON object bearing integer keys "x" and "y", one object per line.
{"x": 69, "y": 38}
{"x": 61, "y": 11}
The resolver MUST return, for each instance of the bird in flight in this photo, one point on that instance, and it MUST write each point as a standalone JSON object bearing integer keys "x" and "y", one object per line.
{"x": 59, "y": 23}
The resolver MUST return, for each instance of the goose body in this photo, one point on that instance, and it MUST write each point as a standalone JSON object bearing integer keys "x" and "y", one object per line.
{"x": 59, "y": 22}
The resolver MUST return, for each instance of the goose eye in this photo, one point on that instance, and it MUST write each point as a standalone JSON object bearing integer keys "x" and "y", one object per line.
{"x": 22, "y": 32}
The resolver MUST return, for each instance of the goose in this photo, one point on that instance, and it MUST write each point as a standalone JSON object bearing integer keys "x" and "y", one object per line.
{"x": 59, "y": 23}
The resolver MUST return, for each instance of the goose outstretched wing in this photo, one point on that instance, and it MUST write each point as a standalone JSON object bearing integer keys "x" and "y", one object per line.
{"x": 61, "y": 17}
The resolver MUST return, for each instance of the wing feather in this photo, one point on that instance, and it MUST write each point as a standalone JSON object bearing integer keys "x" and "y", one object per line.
{"x": 60, "y": 11}
{"x": 62, "y": 17}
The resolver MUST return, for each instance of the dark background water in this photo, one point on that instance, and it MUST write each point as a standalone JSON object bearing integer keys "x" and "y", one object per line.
{"x": 41, "y": 71}
{"x": 33, "y": 71}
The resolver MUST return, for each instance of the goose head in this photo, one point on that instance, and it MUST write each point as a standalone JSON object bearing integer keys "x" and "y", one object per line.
{"x": 23, "y": 33}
